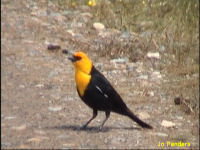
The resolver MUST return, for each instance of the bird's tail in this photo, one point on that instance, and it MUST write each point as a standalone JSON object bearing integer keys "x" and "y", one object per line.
{"x": 136, "y": 119}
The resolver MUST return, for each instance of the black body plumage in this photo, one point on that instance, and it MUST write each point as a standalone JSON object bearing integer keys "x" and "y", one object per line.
{"x": 101, "y": 96}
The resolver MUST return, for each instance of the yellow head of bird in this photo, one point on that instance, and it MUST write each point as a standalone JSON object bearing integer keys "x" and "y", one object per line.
{"x": 81, "y": 62}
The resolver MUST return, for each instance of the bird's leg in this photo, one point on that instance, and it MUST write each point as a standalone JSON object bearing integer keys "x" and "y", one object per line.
{"x": 94, "y": 115}
{"x": 107, "y": 116}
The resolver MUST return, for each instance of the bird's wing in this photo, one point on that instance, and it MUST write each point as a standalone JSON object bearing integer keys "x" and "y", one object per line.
{"x": 103, "y": 86}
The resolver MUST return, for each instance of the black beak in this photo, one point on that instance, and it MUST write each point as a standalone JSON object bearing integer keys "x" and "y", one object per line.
{"x": 71, "y": 57}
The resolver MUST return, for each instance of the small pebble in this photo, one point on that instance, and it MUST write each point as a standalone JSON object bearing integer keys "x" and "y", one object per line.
{"x": 54, "y": 109}
{"x": 167, "y": 124}
{"x": 52, "y": 47}
{"x": 153, "y": 55}
{"x": 98, "y": 26}
{"x": 71, "y": 32}
{"x": 150, "y": 93}
{"x": 177, "y": 101}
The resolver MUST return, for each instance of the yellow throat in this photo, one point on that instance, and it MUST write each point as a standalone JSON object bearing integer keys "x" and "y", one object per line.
{"x": 82, "y": 72}
{"x": 82, "y": 80}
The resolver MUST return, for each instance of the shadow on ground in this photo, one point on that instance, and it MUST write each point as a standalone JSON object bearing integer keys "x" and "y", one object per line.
{"x": 90, "y": 129}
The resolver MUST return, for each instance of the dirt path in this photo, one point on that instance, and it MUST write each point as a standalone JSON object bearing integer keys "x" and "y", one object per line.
{"x": 40, "y": 107}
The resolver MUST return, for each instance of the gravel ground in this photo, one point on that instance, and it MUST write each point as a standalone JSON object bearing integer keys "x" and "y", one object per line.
{"x": 40, "y": 107}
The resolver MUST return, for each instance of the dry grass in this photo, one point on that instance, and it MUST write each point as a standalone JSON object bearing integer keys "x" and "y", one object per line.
{"x": 175, "y": 29}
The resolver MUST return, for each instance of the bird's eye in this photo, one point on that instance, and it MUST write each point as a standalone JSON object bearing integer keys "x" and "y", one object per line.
{"x": 77, "y": 58}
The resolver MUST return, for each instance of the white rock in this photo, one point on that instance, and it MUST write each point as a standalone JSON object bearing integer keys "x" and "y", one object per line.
{"x": 150, "y": 93}
{"x": 161, "y": 134}
{"x": 153, "y": 55}
{"x": 98, "y": 26}
{"x": 167, "y": 124}
{"x": 54, "y": 109}
{"x": 39, "y": 85}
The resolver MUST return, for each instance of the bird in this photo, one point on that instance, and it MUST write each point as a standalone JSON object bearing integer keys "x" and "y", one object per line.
{"x": 97, "y": 92}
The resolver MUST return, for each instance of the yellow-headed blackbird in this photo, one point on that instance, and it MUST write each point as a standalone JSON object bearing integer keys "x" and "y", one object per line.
{"x": 96, "y": 91}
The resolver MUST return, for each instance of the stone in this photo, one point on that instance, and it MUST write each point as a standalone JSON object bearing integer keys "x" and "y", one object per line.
{"x": 71, "y": 32}
{"x": 153, "y": 55}
{"x": 39, "y": 85}
{"x": 54, "y": 109}
{"x": 161, "y": 134}
{"x": 167, "y": 124}
{"x": 150, "y": 93}
{"x": 98, "y": 26}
